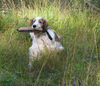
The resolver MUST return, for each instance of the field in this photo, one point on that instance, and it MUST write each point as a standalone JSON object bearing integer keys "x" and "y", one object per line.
{"x": 77, "y": 65}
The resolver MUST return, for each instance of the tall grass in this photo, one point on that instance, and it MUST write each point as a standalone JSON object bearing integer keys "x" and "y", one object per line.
{"x": 77, "y": 65}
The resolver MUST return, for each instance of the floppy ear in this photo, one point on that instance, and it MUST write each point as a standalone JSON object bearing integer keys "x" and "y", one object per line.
{"x": 45, "y": 24}
{"x": 31, "y": 22}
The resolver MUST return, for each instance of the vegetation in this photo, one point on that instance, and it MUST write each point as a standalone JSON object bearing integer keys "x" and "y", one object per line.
{"x": 77, "y": 65}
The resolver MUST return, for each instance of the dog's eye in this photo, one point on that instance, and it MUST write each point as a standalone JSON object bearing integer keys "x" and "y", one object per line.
{"x": 40, "y": 22}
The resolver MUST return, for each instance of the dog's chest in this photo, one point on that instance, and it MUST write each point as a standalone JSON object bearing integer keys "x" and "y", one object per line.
{"x": 42, "y": 42}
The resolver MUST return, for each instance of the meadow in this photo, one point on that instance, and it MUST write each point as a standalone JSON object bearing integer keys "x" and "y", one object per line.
{"x": 79, "y": 28}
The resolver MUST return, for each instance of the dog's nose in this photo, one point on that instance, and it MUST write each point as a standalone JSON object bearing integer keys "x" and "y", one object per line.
{"x": 34, "y": 26}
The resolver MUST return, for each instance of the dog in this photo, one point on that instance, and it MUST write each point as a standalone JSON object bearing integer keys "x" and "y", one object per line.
{"x": 42, "y": 37}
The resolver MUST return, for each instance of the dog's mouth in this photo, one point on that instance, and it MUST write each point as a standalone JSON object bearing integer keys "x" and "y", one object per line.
{"x": 26, "y": 29}
{"x": 30, "y": 29}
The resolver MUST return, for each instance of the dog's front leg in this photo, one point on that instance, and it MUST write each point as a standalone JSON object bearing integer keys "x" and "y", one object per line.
{"x": 32, "y": 56}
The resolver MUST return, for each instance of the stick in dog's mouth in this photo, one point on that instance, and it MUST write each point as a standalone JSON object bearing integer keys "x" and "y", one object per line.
{"x": 26, "y": 29}
{"x": 30, "y": 29}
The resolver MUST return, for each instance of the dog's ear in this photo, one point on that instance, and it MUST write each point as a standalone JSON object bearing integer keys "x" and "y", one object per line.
{"x": 31, "y": 21}
{"x": 45, "y": 24}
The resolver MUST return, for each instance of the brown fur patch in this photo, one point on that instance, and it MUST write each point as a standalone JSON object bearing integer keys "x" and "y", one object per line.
{"x": 41, "y": 21}
{"x": 45, "y": 24}
{"x": 32, "y": 21}
{"x": 56, "y": 37}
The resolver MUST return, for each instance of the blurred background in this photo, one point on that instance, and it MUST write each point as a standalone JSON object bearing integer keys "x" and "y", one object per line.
{"x": 78, "y": 24}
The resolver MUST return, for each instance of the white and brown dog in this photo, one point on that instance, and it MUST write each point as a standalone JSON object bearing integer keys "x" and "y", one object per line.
{"x": 42, "y": 38}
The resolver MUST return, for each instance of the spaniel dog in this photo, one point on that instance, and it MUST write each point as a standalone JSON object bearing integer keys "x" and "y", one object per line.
{"x": 43, "y": 38}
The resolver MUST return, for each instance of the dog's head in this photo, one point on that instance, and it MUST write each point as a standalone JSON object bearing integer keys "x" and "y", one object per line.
{"x": 39, "y": 23}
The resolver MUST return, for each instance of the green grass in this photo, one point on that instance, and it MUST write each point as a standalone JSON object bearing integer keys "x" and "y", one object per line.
{"x": 77, "y": 65}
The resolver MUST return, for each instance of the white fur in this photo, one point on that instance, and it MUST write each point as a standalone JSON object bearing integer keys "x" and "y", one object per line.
{"x": 40, "y": 44}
